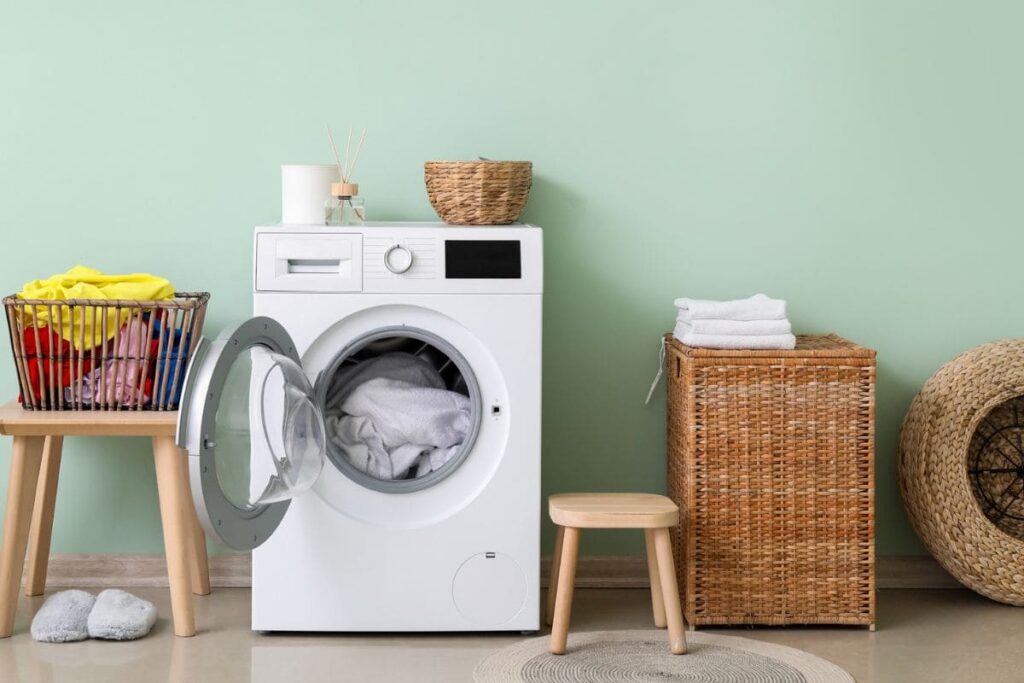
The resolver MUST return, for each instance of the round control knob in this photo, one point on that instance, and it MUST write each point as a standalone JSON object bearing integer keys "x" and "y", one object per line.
{"x": 398, "y": 259}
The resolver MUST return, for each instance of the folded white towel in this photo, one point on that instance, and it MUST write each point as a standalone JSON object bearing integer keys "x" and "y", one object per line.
{"x": 735, "y": 341}
{"x": 757, "y": 307}
{"x": 737, "y": 327}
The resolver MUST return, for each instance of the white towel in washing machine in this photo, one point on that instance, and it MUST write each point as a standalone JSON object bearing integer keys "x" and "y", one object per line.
{"x": 387, "y": 426}
{"x": 396, "y": 365}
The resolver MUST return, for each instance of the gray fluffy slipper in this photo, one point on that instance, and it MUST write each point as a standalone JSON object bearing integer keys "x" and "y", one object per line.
{"x": 63, "y": 618}
{"x": 118, "y": 615}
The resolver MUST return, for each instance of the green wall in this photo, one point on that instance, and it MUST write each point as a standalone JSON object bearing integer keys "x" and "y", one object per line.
{"x": 861, "y": 159}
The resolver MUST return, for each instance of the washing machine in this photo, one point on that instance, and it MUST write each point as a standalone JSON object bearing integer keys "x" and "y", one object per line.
{"x": 452, "y": 545}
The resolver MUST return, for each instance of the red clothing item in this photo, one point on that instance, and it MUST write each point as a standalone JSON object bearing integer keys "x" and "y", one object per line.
{"x": 50, "y": 361}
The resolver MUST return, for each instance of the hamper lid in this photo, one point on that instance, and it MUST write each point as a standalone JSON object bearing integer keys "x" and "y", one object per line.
{"x": 807, "y": 345}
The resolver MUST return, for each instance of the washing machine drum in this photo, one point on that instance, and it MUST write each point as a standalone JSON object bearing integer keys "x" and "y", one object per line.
{"x": 396, "y": 411}
{"x": 401, "y": 409}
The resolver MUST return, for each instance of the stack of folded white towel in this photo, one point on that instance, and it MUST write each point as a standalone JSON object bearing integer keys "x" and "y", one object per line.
{"x": 755, "y": 323}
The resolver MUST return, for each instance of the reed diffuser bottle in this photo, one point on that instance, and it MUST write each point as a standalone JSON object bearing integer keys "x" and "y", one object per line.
{"x": 345, "y": 207}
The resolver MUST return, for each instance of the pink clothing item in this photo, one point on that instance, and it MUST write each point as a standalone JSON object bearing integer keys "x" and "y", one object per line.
{"x": 123, "y": 380}
{"x": 118, "y": 380}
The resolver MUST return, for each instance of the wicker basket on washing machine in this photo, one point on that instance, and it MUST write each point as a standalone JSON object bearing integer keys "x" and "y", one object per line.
{"x": 481, "y": 192}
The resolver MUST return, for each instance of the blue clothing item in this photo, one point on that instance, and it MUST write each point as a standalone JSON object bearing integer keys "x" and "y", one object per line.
{"x": 168, "y": 357}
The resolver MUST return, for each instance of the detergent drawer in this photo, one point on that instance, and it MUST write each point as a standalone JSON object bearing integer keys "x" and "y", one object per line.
{"x": 309, "y": 262}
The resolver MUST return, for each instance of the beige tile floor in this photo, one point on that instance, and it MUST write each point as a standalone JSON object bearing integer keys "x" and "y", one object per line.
{"x": 922, "y": 636}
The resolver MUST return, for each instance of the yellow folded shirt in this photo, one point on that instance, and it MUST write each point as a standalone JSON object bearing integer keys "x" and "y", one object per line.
{"x": 87, "y": 283}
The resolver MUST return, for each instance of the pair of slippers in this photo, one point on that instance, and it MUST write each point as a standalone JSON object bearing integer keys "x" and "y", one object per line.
{"x": 74, "y": 615}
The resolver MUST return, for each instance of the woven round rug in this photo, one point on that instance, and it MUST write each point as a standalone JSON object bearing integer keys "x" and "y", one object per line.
{"x": 606, "y": 656}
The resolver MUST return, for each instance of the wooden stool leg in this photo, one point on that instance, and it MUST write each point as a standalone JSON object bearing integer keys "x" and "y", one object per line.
{"x": 199, "y": 566}
{"x": 26, "y": 459}
{"x": 172, "y": 483}
{"x": 563, "y": 595}
{"x": 670, "y": 591}
{"x": 657, "y": 602}
{"x": 556, "y": 560}
{"x": 42, "y": 517}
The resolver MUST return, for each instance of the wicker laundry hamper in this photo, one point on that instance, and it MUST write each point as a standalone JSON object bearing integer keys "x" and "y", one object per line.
{"x": 771, "y": 461}
{"x": 961, "y": 468}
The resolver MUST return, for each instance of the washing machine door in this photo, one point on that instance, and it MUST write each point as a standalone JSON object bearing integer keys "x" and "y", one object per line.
{"x": 254, "y": 434}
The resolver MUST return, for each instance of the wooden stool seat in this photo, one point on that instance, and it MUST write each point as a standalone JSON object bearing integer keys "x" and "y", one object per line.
{"x": 32, "y": 492}
{"x": 612, "y": 510}
{"x": 654, "y": 514}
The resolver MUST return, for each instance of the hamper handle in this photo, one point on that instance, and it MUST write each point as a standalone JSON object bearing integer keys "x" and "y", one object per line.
{"x": 661, "y": 371}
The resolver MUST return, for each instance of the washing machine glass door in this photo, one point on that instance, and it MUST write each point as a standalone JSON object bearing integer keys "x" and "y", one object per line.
{"x": 254, "y": 435}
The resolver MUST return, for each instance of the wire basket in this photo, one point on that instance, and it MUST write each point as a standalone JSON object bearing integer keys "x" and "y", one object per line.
{"x": 103, "y": 354}
{"x": 480, "y": 192}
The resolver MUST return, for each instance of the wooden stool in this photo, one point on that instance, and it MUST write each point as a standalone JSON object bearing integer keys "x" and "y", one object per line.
{"x": 654, "y": 514}
{"x": 32, "y": 493}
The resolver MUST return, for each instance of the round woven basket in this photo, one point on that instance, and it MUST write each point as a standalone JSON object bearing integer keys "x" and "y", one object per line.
{"x": 478, "y": 192}
{"x": 961, "y": 468}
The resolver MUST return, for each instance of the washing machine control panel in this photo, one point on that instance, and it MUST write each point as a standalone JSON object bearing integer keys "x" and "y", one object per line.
{"x": 441, "y": 260}
{"x": 399, "y": 257}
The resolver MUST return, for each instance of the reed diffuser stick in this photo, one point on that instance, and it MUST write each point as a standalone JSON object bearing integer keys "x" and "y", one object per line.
{"x": 334, "y": 148}
{"x": 348, "y": 146}
{"x": 355, "y": 159}
{"x": 344, "y": 169}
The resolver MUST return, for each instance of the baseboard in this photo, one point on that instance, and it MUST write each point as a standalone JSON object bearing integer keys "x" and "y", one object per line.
{"x": 593, "y": 571}
{"x": 604, "y": 571}
{"x": 124, "y": 571}
{"x": 912, "y": 571}
{"x": 618, "y": 571}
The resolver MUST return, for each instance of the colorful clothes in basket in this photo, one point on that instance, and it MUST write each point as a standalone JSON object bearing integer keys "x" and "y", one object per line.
{"x": 87, "y": 283}
{"x": 171, "y": 360}
{"x": 121, "y": 377}
{"x": 48, "y": 362}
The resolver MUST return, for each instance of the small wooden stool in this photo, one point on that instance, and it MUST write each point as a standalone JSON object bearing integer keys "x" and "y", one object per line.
{"x": 32, "y": 494}
{"x": 654, "y": 514}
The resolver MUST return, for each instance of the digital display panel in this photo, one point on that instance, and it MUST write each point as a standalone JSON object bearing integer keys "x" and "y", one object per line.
{"x": 483, "y": 259}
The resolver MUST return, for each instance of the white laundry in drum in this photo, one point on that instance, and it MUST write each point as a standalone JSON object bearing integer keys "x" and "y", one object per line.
{"x": 393, "y": 417}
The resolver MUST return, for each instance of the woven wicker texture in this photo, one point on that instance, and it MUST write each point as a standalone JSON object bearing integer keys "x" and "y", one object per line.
{"x": 142, "y": 368}
{"x": 478, "y": 192}
{"x": 771, "y": 461}
{"x": 960, "y": 432}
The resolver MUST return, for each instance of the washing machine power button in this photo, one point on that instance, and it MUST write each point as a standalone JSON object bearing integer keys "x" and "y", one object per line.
{"x": 398, "y": 259}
